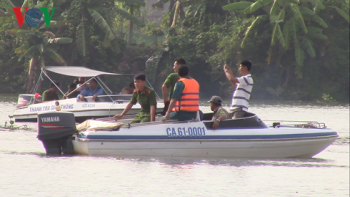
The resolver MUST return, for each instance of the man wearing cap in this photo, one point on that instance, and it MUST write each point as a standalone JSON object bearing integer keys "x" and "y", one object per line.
{"x": 219, "y": 112}
{"x": 51, "y": 94}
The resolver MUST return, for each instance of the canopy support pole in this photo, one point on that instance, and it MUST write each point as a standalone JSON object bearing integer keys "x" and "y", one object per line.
{"x": 104, "y": 84}
{"x": 98, "y": 81}
{"x": 153, "y": 88}
{"x": 36, "y": 85}
{"x": 51, "y": 81}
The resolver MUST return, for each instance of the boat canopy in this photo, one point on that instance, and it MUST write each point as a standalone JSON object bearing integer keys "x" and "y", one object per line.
{"x": 77, "y": 71}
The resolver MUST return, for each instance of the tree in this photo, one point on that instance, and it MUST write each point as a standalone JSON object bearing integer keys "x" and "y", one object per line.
{"x": 132, "y": 6}
{"x": 36, "y": 48}
{"x": 292, "y": 22}
{"x": 102, "y": 13}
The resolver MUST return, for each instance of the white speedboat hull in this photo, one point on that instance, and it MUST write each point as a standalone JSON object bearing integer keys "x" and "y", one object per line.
{"x": 81, "y": 110}
{"x": 247, "y": 137}
{"x": 234, "y": 143}
{"x": 205, "y": 148}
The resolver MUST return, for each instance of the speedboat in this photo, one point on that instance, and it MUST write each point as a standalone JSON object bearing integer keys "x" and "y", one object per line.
{"x": 247, "y": 137}
{"x": 29, "y": 105}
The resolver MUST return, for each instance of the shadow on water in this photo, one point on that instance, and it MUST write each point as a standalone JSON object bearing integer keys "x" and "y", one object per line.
{"x": 243, "y": 162}
{"x": 179, "y": 162}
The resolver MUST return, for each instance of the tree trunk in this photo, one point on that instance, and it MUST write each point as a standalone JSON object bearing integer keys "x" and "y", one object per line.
{"x": 131, "y": 24}
{"x": 177, "y": 8}
{"x": 170, "y": 8}
{"x": 29, "y": 84}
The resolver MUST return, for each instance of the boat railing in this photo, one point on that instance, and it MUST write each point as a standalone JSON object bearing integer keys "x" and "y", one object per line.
{"x": 300, "y": 124}
{"x": 128, "y": 118}
{"x": 157, "y": 123}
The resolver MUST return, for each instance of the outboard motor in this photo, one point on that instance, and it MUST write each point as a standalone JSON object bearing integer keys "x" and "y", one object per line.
{"x": 55, "y": 130}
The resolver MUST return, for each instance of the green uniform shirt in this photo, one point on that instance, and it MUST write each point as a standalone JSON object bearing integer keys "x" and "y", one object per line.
{"x": 170, "y": 83}
{"x": 219, "y": 112}
{"x": 145, "y": 98}
{"x": 49, "y": 96}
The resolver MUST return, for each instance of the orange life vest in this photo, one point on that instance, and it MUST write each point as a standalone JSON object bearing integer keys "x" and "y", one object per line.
{"x": 189, "y": 100}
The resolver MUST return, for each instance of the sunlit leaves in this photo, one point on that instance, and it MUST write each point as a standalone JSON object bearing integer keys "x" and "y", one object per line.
{"x": 238, "y": 5}
{"x": 255, "y": 22}
{"x": 55, "y": 56}
{"x": 60, "y": 40}
{"x": 80, "y": 37}
{"x": 342, "y": 13}
{"x": 22, "y": 49}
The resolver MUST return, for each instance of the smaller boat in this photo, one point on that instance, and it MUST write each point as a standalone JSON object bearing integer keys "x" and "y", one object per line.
{"x": 247, "y": 137}
{"x": 29, "y": 105}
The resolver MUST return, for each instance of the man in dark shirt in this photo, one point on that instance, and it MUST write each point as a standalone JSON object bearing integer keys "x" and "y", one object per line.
{"x": 146, "y": 97}
{"x": 129, "y": 89}
{"x": 51, "y": 94}
{"x": 170, "y": 83}
{"x": 74, "y": 94}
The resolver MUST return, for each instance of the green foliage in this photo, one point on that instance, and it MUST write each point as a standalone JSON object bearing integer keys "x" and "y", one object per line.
{"x": 295, "y": 17}
{"x": 327, "y": 97}
{"x": 299, "y": 48}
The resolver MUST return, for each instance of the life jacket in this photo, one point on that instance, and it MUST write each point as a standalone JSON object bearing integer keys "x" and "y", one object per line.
{"x": 189, "y": 100}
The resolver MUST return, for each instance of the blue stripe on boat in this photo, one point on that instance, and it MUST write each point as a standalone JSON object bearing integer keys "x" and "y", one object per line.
{"x": 240, "y": 137}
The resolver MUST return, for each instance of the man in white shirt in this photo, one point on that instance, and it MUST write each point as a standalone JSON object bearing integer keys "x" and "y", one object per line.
{"x": 240, "y": 98}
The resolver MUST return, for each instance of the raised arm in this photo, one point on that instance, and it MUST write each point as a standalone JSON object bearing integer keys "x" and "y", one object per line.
{"x": 230, "y": 76}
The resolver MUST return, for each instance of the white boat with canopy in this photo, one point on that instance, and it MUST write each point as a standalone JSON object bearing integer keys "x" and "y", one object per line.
{"x": 29, "y": 105}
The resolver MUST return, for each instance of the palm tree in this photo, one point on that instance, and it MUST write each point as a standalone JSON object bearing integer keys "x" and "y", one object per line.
{"x": 37, "y": 48}
{"x": 292, "y": 22}
{"x": 102, "y": 13}
{"x": 131, "y": 6}
{"x": 37, "y": 45}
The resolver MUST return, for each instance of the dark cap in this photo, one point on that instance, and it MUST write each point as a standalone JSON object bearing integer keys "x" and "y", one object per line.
{"x": 216, "y": 100}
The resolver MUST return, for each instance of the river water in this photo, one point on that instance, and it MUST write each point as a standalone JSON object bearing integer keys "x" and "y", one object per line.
{"x": 25, "y": 170}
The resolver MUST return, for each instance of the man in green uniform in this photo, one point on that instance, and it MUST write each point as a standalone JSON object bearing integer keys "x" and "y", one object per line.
{"x": 170, "y": 83}
{"x": 51, "y": 94}
{"x": 146, "y": 97}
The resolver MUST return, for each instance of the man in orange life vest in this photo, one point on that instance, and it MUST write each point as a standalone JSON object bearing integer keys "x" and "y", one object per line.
{"x": 184, "y": 102}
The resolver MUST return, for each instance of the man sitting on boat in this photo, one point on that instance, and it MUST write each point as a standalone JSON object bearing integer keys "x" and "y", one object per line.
{"x": 80, "y": 83}
{"x": 93, "y": 91}
{"x": 240, "y": 99}
{"x": 129, "y": 89}
{"x": 184, "y": 103}
{"x": 219, "y": 112}
{"x": 74, "y": 94}
{"x": 146, "y": 97}
{"x": 51, "y": 94}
